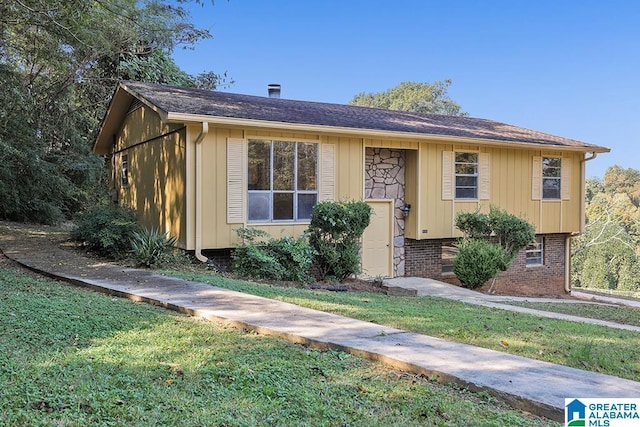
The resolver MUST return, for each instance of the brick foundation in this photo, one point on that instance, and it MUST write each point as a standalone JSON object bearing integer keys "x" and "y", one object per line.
{"x": 423, "y": 258}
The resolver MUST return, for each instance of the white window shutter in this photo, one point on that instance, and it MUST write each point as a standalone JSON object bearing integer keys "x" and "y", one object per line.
{"x": 536, "y": 180}
{"x": 448, "y": 177}
{"x": 484, "y": 170}
{"x": 236, "y": 180}
{"x": 565, "y": 180}
{"x": 327, "y": 172}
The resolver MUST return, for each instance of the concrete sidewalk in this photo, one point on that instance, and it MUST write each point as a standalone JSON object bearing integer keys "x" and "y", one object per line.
{"x": 526, "y": 384}
{"x": 431, "y": 287}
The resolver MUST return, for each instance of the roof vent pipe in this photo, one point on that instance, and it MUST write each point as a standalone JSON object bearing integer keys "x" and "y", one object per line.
{"x": 274, "y": 90}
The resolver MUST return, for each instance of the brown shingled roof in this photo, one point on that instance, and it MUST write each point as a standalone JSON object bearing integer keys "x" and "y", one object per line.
{"x": 198, "y": 102}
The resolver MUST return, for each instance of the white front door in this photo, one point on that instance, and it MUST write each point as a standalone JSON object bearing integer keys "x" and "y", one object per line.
{"x": 377, "y": 240}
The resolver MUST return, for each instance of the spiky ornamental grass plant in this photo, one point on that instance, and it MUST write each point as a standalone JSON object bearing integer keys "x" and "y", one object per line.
{"x": 154, "y": 249}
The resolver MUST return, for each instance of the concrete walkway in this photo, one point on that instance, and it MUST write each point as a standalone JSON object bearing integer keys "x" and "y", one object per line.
{"x": 431, "y": 287}
{"x": 526, "y": 384}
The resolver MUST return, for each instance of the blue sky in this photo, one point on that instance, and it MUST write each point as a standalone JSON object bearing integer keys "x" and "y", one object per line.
{"x": 566, "y": 67}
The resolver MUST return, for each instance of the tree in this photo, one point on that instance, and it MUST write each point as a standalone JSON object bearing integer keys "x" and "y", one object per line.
{"x": 607, "y": 254}
{"x": 620, "y": 180}
{"x": 59, "y": 63}
{"x": 425, "y": 97}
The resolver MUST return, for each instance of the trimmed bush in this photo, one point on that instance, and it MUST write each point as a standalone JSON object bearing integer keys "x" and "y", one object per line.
{"x": 491, "y": 243}
{"x": 106, "y": 229}
{"x": 477, "y": 262}
{"x": 334, "y": 235}
{"x": 260, "y": 256}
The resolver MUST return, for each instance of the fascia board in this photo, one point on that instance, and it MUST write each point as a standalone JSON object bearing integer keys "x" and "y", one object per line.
{"x": 198, "y": 118}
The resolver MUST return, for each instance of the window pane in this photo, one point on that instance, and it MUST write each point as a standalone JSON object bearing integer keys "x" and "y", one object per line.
{"x": 307, "y": 166}
{"x": 282, "y": 206}
{"x": 466, "y": 169}
{"x": 550, "y": 188}
{"x": 551, "y": 167}
{"x": 305, "y": 205}
{"x": 466, "y": 157}
{"x": 258, "y": 206}
{"x": 535, "y": 252}
{"x": 283, "y": 164}
{"x": 466, "y": 193}
{"x": 259, "y": 165}
{"x": 466, "y": 181}
{"x": 449, "y": 253}
{"x": 125, "y": 170}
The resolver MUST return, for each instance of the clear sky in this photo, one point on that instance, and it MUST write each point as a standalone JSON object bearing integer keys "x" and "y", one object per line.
{"x": 566, "y": 67}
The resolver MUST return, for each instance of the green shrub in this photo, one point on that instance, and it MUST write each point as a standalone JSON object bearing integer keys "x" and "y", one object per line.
{"x": 106, "y": 229}
{"x": 491, "y": 243}
{"x": 474, "y": 224}
{"x": 275, "y": 259}
{"x": 513, "y": 233}
{"x": 294, "y": 255}
{"x": 154, "y": 249}
{"x": 477, "y": 262}
{"x": 334, "y": 235}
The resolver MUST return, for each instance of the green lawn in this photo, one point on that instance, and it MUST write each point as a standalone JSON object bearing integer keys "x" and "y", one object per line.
{"x": 624, "y": 315}
{"x": 71, "y": 357}
{"x": 583, "y": 346}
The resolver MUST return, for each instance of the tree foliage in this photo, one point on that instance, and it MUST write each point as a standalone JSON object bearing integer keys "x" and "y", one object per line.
{"x": 432, "y": 98}
{"x": 59, "y": 63}
{"x": 607, "y": 254}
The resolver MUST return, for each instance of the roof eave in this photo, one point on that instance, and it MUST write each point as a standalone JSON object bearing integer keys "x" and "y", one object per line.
{"x": 116, "y": 112}
{"x": 199, "y": 118}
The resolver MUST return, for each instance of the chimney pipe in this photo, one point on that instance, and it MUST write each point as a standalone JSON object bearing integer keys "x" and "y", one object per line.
{"x": 274, "y": 90}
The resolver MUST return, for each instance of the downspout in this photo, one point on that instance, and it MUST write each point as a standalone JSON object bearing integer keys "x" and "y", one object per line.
{"x": 198, "y": 159}
{"x": 567, "y": 242}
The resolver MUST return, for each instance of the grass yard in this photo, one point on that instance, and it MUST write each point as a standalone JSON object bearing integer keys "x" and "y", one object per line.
{"x": 71, "y": 357}
{"x": 580, "y": 345}
{"x": 611, "y": 313}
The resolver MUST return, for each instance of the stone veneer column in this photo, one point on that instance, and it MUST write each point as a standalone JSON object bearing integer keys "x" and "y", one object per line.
{"x": 385, "y": 179}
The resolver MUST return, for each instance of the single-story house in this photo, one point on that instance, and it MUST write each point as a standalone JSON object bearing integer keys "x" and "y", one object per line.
{"x": 201, "y": 164}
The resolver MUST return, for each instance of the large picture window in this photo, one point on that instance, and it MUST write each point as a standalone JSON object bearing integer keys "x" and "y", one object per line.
{"x": 551, "y": 177}
{"x": 466, "y": 167}
{"x": 282, "y": 180}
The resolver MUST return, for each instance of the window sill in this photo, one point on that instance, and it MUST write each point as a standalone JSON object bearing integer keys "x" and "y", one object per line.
{"x": 262, "y": 224}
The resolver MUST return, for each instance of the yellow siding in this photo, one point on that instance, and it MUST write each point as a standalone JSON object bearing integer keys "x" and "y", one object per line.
{"x": 511, "y": 175}
{"x": 383, "y": 143}
{"x": 160, "y": 193}
{"x": 349, "y": 168}
{"x": 142, "y": 124}
{"x": 157, "y": 181}
{"x": 412, "y": 195}
{"x": 217, "y": 233}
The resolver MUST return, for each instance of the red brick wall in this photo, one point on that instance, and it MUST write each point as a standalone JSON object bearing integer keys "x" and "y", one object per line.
{"x": 423, "y": 259}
